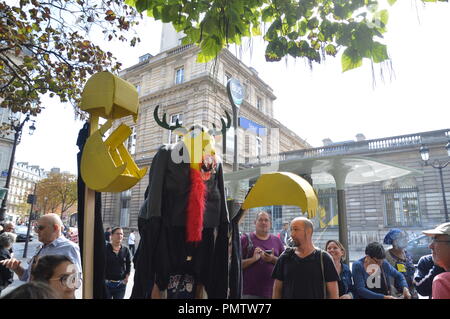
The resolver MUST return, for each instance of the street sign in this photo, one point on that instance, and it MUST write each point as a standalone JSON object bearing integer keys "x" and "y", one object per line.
{"x": 3, "y": 192}
{"x": 31, "y": 199}
{"x": 5, "y": 173}
{"x": 235, "y": 91}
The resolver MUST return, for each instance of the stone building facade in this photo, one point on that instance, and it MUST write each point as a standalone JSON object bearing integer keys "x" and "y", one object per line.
{"x": 24, "y": 178}
{"x": 412, "y": 203}
{"x": 195, "y": 93}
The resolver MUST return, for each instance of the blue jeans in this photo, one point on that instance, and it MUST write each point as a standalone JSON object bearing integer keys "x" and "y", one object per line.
{"x": 116, "y": 289}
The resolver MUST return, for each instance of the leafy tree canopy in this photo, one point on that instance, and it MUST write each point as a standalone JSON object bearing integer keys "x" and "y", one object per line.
{"x": 56, "y": 193}
{"x": 45, "y": 48}
{"x": 309, "y": 29}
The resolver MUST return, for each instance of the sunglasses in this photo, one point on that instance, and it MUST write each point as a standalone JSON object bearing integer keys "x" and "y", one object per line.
{"x": 434, "y": 240}
{"x": 72, "y": 281}
{"x": 39, "y": 227}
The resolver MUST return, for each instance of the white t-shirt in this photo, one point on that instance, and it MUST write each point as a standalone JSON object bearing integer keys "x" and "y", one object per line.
{"x": 131, "y": 239}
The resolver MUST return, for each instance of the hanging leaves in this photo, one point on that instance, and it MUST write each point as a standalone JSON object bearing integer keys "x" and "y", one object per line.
{"x": 299, "y": 28}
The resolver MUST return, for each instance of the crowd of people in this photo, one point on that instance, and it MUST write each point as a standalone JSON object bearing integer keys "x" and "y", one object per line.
{"x": 288, "y": 266}
{"x": 299, "y": 270}
{"x": 54, "y": 272}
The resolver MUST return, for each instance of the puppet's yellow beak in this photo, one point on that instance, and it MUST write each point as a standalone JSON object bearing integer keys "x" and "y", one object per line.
{"x": 199, "y": 144}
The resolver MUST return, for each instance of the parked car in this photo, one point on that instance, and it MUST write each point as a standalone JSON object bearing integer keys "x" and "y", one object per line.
{"x": 419, "y": 247}
{"x": 21, "y": 232}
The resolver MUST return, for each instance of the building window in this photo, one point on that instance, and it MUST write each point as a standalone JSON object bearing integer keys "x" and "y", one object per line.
{"x": 227, "y": 77}
{"x": 179, "y": 76}
{"x": 247, "y": 144}
{"x": 402, "y": 207}
{"x": 173, "y": 137}
{"x": 131, "y": 141}
{"x": 258, "y": 147}
{"x": 246, "y": 91}
{"x": 328, "y": 212}
{"x": 259, "y": 104}
{"x": 277, "y": 219}
{"x": 125, "y": 199}
{"x": 229, "y": 156}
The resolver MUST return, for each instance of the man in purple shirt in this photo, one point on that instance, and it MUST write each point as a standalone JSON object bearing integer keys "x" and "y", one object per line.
{"x": 260, "y": 255}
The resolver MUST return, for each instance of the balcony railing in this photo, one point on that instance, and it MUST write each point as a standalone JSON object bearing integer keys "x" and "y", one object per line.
{"x": 361, "y": 147}
{"x": 179, "y": 49}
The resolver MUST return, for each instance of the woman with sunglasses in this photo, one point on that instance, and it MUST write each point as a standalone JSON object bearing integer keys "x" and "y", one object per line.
{"x": 371, "y": 275}
{"x": 58, "y": 272}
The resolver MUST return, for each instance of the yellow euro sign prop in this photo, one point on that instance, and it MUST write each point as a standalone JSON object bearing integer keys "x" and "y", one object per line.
{"x": 282, "y": 188}
{"x": 110, "y": 97}
{"x": 106, "y": 165}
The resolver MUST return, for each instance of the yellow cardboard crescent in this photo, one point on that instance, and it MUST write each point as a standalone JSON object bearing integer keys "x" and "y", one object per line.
{"x": 108, "y": 96}
{"x": 282, "y": 188}
{"x": 107, "y": 166}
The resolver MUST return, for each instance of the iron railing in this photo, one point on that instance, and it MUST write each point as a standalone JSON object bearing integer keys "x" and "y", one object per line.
{"x": 361, "y": 147}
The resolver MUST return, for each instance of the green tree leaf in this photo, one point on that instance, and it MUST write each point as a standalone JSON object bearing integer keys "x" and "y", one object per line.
{"x": 56, "y": 57}
{"x": 322, "y": 23}
{"x": 350, "y": 59}
{"x": 379, "y": 52}
{"x": 330, "y": 49}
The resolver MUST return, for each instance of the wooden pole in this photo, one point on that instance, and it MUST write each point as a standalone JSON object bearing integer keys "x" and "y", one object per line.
{"x": 88, "y": 233}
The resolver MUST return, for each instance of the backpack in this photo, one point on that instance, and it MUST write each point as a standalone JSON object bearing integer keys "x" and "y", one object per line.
{"x": 249, "y": 246}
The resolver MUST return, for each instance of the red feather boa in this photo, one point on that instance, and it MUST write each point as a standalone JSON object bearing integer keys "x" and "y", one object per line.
{"x": 196, "y": 207}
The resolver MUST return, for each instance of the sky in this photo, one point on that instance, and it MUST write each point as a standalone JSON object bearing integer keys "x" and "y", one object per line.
{"x": 316, "y": 104}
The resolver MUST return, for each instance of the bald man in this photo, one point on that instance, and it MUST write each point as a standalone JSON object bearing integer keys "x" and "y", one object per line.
{"x": 48, "y": 228}
{"x": 304, "y": 272}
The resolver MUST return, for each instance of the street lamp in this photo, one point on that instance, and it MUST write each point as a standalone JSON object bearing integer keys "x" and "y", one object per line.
{"x": 31, "y": 200}
{"x": 236, "y": 95}
{"x": 425, "y": 154}
{"x": 17, "y": 135}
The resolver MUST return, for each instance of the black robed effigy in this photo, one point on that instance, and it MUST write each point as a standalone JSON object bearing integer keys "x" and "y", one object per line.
{"x": 163, "y": 249}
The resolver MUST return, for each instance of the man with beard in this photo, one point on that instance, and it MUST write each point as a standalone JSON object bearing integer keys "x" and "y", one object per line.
{"x": 304, "y": 272}
{"x": 261, "y": 252}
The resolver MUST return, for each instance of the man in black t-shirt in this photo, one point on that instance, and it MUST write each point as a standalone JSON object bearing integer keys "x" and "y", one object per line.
{"x": 304, "y": 272}
{"x": 118, "y": 265}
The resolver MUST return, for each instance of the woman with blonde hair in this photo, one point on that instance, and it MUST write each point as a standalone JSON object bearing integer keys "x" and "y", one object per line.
{"x": 345, "y": 283}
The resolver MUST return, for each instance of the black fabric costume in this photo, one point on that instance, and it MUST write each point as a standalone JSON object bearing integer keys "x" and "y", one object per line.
{"x": 236, "y": 279}
{"x": 163, "y": 250}
{"x": 99, "y": 290}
